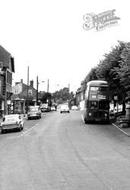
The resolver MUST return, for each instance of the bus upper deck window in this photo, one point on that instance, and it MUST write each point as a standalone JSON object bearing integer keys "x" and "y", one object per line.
{"x": 103, "y": 89}
{"x": 94, "y": 88}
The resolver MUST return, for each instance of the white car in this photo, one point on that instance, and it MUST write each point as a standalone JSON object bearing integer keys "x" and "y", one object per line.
{"x": 74, "y": 107}
{"x": 53, "y": 108}
{"x": 12, "y": 121}
{"x": 64, "y": 108}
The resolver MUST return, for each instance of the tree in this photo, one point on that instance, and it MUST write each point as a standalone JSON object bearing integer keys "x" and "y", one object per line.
{"x": 115, "y": 69}
{"x": 62, "y": 95}
{"x": 124, "y": 69}
{"x": 46, "y": 97}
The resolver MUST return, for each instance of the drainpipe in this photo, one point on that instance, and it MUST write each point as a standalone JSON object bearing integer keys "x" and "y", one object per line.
{"x": 5, "y": 99}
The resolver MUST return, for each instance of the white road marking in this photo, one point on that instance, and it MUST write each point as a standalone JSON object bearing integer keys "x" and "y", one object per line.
{"x": 23, "y": 132}
{"x": 28, "y": 130}
{"x": 121, "y": 129}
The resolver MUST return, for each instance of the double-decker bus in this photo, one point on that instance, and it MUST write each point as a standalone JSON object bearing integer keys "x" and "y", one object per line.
{"x": 96, "y": 106}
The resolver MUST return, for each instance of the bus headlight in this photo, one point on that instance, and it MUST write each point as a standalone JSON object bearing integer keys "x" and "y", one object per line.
{"x": 105, "y": 114}
{"x": 90, "y": 114}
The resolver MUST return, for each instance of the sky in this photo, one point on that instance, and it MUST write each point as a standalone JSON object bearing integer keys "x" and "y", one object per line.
{"x": 49, "y": 38}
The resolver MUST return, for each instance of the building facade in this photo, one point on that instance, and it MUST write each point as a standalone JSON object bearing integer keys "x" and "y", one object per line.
{"x": 23, "y": 96}
{"x": 6, "y": 71}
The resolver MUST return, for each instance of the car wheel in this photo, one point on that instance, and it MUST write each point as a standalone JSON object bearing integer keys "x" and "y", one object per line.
{"x": 2, "y": 131}
{"x": 19, "y": 129}
{"x": 22, "y": 128}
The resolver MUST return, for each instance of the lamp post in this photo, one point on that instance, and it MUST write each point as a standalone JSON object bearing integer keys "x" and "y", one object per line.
{"x": 37, "y": 90}
{"x": 48, "y": 85}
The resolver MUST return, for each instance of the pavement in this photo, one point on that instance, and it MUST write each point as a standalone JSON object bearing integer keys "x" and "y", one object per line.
{"x": 124, "y": 130}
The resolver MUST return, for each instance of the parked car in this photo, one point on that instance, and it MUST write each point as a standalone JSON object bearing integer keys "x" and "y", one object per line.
{"x": 34, "y": 112}
{"x": 64, "y": 108}
{"x": 12, "y": 121}
{"x": 45, "y": 108}
{"x": 53, "y": 108}
{"x": 74, "y": 107}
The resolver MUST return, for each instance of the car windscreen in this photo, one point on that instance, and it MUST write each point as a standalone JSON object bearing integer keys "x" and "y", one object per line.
{"x": 33, "y": 109}
{"x": 64, "y": 106}
{"x": 10, "y": 119}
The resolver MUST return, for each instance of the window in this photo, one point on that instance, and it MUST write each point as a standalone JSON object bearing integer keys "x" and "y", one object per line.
{"x": 9, "y": 77}
{"x": 94, "y": 88}
{"x": 30, "y": 92}
{"x": 93, "y": 104}
{"x": 33, "y": 109}
{"x": 103, "y": 105}
{"x": 103, "y": 90}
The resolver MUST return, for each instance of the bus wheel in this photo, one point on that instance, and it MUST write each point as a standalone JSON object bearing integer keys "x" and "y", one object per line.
{"x": 85, "y": 121}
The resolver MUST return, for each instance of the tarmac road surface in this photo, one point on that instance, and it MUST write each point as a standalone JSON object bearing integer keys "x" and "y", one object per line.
{"x": 60, "y": 152}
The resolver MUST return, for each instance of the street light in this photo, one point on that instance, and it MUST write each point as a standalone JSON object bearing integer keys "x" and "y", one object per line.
{"x": 37, "y": 90}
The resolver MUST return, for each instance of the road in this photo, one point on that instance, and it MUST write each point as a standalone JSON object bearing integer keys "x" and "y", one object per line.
{"x": 60, "y": 152}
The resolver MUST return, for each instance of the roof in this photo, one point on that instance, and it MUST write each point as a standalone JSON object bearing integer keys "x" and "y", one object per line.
{"x": 97, "y": 82}
{"x": 4, "y": 56}
{"x": 6, "y": 59}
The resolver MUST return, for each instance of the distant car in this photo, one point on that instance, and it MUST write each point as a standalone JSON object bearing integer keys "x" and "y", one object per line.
{"x": 53, "y": 108}
{"x": 64, "y": 109}
{"x": 74, "y": 107}
{"x": 34, "y": 112}
{"x": 45, "y": 108}
{"x": 12, "y": 121}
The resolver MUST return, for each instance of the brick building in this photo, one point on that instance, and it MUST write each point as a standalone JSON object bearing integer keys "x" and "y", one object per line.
{"x": 23, "y": 95}
{"x": 6, "y": 71}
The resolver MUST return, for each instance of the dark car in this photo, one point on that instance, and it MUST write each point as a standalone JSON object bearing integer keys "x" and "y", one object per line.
{"x": 34, "y": 112}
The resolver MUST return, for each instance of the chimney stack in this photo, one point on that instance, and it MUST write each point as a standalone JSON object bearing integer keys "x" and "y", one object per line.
{"x": 31, "y": 83}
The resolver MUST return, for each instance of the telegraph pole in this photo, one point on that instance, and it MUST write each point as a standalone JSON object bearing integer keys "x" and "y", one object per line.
{"x": 69, "y": 87}
{"x": 37, "y": 92}
{"x": 48, "y": 85}
{"x": 27, "y": 88}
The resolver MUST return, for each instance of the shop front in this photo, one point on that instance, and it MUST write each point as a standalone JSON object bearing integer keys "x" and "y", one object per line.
{"x": 18, "y": 106}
